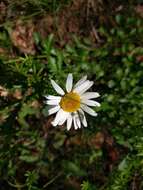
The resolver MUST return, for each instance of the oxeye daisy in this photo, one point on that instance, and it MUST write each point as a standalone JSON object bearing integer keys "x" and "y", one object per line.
{"x": 71, "y": 105}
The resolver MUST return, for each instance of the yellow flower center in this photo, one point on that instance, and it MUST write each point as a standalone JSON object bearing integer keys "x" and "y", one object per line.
{"x": 70, "y": 102}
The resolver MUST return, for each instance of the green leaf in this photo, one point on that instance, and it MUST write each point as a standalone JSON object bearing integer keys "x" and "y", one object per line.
{"x": 73, "y": 169}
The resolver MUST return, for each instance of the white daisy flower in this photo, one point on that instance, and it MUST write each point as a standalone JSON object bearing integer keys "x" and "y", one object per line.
{"x": 71, "y": 105}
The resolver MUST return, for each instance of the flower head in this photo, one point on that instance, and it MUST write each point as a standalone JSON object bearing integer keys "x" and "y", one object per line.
{"x": 71, "y": 105}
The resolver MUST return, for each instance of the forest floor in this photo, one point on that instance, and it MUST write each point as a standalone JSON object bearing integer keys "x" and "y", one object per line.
{"x": 47, "y": 39}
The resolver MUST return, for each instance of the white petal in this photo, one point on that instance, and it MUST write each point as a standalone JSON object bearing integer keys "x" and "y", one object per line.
{"x": 57, "y": 88}
{"x": 58, "y": 117}
{"x": 90, "y": 95}
{"x": 69, "y": 122}
{"x": 53, "y": 102}
{"x": 78, "y": 121}
{"x": 88, "y": 110}
{"x": 83, "y": 118}
{"x": 69, "y": 82}
{"x": 83, "y": 87}
{"x": 63, "y": 118}
{"x": 50, "y": 97}
{"x": 75, "y": 124}
{"x": 91, "y": 103}
{"x": 83, "y": 79}
{"x": 53, "y": 110}
{"x": 86, "y": 88}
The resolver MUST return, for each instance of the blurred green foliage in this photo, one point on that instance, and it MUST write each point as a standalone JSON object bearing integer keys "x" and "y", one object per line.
{"x": 33, "y": 155}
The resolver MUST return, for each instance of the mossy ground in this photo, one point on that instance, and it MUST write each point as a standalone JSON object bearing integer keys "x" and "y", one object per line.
{"x": 43, "y": 40}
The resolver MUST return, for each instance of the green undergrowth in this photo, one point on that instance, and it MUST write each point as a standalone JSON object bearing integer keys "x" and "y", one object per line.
{"x": 36, "y": 156}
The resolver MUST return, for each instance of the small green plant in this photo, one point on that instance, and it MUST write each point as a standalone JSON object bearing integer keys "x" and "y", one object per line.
{"x": 31, "y": 180}
{"x": 87, "y": 186}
